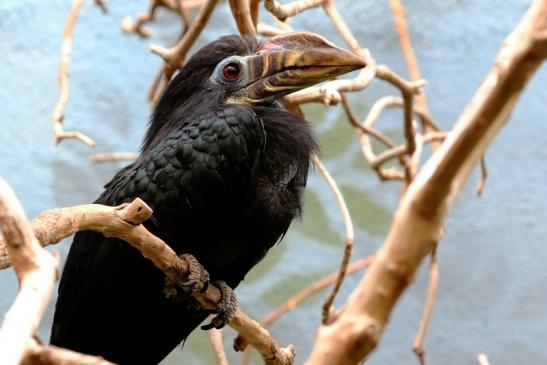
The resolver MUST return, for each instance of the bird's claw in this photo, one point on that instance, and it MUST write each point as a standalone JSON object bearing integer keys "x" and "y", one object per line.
{"x": 197, "y": 281}
{"x": 226, "y": 308}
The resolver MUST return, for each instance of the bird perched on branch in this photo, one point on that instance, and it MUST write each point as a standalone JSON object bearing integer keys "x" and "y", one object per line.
{"x": 224, "y": 166}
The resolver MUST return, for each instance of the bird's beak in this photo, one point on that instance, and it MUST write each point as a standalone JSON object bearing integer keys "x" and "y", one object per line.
{"x": 294, "y": 61}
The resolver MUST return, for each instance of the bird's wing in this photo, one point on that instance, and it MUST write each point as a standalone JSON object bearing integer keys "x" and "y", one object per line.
{"x": 110, "y": 298}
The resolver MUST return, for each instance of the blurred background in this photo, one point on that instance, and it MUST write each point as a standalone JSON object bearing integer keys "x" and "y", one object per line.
{"x": 493, "y": 277}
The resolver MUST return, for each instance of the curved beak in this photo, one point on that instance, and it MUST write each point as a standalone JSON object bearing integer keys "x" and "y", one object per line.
{"x": 294, "y": 61}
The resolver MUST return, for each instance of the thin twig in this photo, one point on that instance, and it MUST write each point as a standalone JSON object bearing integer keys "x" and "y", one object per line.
{"x": 330, "y": 92}
{"x": 401, "y": 150}
{"x": 113, "y": 156}
{"x": 319, "y": 285}
{"x": 348, "y": 242}
{"x": 269, "y": 31}
{"x": 401, "y": 27}
{"x": 137, "y": 25}
{"x": 102, "y": 5}
{"x": 416, "y": 156}
{"x": 418, "y": 346}
{"x": 484, "y": 176}
{"x": 66, "y": 51}
{"x": 258, "y": 337}
{"x": 218, "y": 347}
{"x": 341, "y": 26}
{"x": 408, "y": 89}
{"x": 355, "y": 122}
{"x": 174, "y": 56}
{"x": 282, "y": 12}
{"x": 241, "y": 12}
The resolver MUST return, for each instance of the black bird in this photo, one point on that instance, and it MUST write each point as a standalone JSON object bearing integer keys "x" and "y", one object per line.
{"x": 224, "y": 166}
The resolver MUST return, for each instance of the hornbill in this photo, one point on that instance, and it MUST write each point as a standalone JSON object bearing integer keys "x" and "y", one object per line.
{"x": 224, "y": 166}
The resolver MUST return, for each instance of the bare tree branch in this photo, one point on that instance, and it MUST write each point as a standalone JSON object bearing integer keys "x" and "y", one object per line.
{"x": 348, "y": 242}
{"x": 418, "y": 345}
{"x": 416, "y": 227}
{"x": 218, "y": 347}
{"x": 66, "y": 51}
{"x": 36, "y": 272}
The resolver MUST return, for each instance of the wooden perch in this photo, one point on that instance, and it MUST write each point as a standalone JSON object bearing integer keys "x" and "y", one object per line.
{"x": 416, "y": 227}
{"x": 124, "y": 222}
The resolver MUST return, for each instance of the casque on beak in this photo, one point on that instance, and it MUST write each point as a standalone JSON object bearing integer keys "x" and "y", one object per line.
{"x": 294, "y": 61}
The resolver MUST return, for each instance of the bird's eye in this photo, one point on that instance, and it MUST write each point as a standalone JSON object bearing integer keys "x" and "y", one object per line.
{"x": 231, "y": 71}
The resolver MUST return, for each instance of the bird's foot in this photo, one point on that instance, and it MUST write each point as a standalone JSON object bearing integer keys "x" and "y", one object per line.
{"x": 197, "y": 281}
{"x": 226, "y": 308}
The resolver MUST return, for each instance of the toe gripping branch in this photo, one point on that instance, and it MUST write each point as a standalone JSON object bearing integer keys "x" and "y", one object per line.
{"x": 226, "y": 307}
{"x": 197, "y": 282}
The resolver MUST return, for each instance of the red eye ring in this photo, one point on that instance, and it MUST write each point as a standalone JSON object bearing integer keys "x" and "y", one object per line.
{"x": 231, "y": 71}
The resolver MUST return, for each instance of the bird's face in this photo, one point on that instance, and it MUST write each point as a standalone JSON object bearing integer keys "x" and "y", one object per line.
{"x": 279, "y": 66}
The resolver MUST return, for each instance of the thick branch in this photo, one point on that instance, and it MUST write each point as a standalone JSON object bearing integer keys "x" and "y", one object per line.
{"x": 36, "y": 271}
{"x": 417, "y": 223}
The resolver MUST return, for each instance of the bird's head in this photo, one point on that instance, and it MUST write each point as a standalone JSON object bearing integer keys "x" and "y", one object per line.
{"x": 243, "y": 70}
{"x": 279, "y": 66}
{"x": 236, "y": 69}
